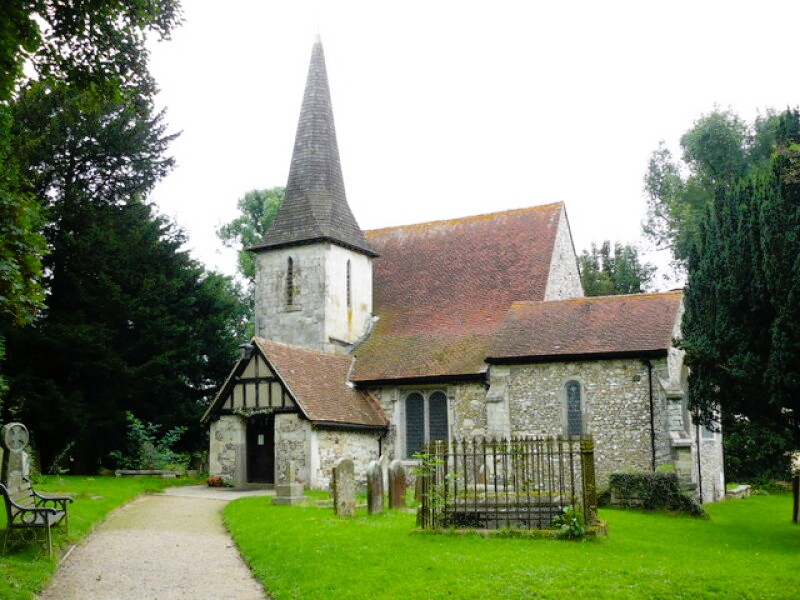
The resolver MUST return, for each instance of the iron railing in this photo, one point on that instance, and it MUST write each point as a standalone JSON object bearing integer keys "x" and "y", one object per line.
{"x": 519, "y": 482}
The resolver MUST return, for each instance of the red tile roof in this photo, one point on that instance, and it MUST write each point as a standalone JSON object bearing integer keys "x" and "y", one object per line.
{"x": 318, "y": 382}
{"x": 638, "y": 323}
{"x": 441, "y": 289}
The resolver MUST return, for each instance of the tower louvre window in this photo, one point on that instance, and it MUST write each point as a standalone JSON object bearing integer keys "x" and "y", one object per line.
{"x": 289, "y": 282}
{"x": 349, "y": 287}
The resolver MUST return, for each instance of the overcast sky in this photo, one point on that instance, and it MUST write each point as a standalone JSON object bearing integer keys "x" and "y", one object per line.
{"x": 448, "y": 109}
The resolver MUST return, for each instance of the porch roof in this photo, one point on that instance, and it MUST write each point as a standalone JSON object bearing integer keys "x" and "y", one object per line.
{"x": 318, "y": 382}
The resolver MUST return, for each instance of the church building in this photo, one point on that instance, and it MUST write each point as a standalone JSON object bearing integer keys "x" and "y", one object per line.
{"x": 371, "y": 343}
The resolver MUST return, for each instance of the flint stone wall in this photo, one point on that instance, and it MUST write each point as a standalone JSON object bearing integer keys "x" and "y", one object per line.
{"x": 293, "y": 436}
{"x": 334, "y": 445}
{"x": 319, "y": 310}
{"x": 563, "y": 280}
{"x": 616, "y": 409}
{"x": 226, "y": 434}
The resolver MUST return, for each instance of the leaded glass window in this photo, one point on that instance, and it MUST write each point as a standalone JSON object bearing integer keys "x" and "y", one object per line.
{"x": 437, "y": 417}
{"x": 426, "y": 420}
{"x": 574, "y": 408}
{"x": 415, "y": 423}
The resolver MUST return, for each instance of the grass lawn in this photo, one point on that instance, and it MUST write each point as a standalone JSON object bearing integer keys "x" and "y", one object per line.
{"x": 25, "y": 569}
{"x": 748, "y": 549}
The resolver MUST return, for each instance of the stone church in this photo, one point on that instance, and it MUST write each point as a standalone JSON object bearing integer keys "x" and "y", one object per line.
{"x": 371, "y": 343}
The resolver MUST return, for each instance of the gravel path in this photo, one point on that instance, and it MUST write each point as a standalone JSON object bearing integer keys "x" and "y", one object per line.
{"x": 160, "y": 547}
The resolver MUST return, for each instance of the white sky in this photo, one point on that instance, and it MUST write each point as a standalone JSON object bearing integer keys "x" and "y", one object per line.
{"x": 452, "y": 108}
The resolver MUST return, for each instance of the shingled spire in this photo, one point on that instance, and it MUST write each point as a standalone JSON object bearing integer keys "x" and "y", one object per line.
{"x": 315, "y": 205}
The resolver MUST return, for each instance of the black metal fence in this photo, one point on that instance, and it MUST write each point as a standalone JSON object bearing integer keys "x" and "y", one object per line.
{"x": 522, "y": 482}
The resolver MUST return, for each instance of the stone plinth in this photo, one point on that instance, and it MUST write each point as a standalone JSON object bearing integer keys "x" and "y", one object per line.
{"x": 289, "y": 492}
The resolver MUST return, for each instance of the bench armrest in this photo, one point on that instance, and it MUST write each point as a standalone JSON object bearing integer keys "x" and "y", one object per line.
{"x": 44, "y": 499}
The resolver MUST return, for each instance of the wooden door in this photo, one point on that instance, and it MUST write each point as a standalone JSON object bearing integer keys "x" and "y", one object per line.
{"x": 261, "y": 449}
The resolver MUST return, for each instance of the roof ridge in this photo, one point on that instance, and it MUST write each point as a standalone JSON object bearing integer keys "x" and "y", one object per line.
{"x": 456, "y": 220}
{"x": 635, "y": 296}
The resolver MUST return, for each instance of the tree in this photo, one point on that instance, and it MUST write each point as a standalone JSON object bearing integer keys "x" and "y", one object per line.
{"x": 132, "y": 323}
{"x": 258, "y": 209}
{"x": 22, "y": 245}
{"x": 607, "y": 273}
{"x": 83, "y": 43}
{"x": 96, "y": 45}
{"x": 718, "y": 150}
{"x": 740, "y": 330}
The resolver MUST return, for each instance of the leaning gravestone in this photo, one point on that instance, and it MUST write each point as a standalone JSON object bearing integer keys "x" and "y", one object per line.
{"x": 15, "y": 464}
{"x": 374, "y": 488}
{"x": 344, "y": 488}
{"x": 397, "y": 485}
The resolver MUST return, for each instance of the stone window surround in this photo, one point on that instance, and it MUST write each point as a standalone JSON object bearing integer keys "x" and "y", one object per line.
{"x": 401, "y": 417}
{"x": 290, "y": 291}
{"x": 584, "y": 404}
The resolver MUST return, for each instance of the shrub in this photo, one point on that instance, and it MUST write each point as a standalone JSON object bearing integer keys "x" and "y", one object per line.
{"x": 652, "y": 491}
{"x": 144, "y": 450}
{"x": 570, "y": 524}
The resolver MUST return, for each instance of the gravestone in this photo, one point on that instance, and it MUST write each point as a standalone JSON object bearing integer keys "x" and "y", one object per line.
{"x": 383, "y": 462}
{"x": 289, "y": 492}
{"x": 397, "y": 485}
{"x": 15, "y": 464}
{"x": 344, "y": 488}
{"x": 374, "y": 488}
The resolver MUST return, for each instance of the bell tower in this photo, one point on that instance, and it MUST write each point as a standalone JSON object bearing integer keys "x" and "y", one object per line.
{"x": 314, "y": 264}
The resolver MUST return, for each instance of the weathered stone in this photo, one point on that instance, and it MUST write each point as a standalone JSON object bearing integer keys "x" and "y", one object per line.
{"x": 397, "y": 485}
{"x": 289, "y": 491}
{"x": 383, "y": 463}
{"x": 374, "y": 488}
{"x": 344, "y": 488}
{"x": 335, "y": 445}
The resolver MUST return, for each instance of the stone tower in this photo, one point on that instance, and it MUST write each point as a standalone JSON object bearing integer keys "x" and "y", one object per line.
{"x": 314, "y": 265}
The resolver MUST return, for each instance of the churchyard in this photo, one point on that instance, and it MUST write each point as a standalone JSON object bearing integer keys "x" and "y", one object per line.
{"x": 747, "y": 549}
{"x": 26, "y": 568}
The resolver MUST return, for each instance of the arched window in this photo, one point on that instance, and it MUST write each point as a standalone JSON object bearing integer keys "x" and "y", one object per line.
{"x": 574, "y": 408}
{"x": 289, "y": 282}
{"x": 426, "y": 420}
{"x": 349, "y": 287}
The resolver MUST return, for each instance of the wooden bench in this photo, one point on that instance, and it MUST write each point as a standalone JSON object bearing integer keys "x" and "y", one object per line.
{"x": 27, "y": 512}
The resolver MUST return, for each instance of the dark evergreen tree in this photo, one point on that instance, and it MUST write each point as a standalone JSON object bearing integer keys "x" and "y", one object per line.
{"x": 740, "y": 330}
{"x": 131, "y": 323}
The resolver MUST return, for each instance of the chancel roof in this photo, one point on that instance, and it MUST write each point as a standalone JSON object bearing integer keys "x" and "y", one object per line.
{"x": 442, "y": 289}
{"x": 315, "y": 206}
{"x": 638, "y": 324}
{"x": 318, "y": 383}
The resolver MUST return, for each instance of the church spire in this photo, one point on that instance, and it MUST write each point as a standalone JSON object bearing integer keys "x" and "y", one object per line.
{"x": 315, "y": 206}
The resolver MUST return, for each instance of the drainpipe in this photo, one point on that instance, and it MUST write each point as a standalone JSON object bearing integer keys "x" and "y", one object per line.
{"x": 699, "y": 466}
{"x": 652, "y": 416}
